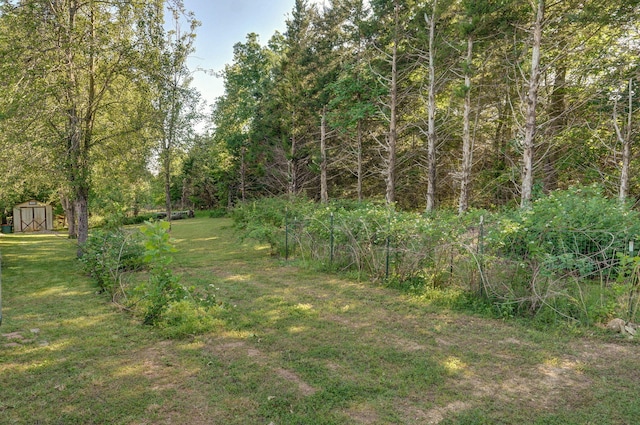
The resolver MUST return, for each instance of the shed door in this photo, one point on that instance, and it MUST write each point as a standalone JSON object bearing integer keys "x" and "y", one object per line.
{"x": 33, "y": 219}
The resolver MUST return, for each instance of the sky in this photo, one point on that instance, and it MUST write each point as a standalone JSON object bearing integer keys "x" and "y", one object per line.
{"x": 225, "y": 23}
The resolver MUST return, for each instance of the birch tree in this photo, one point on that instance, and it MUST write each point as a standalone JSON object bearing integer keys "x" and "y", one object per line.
{"x": 624, "y": 136}
{"x": 528, "y": 143}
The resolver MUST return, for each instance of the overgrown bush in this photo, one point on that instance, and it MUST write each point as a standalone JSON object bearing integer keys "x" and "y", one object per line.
{"x": 578, "y": 229}
{"x": 371, "y": 238}
{"x": 163, "y": 300}
{"x": 265, "y": 219}
{"x": 137, "y": 219}
{"x": 560, "y": 257}
{"x": 218, "y": 213}
{"x": 108, "y": 254}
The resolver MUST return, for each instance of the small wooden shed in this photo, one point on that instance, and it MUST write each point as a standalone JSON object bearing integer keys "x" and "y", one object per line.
{"x": 32, "y": 216}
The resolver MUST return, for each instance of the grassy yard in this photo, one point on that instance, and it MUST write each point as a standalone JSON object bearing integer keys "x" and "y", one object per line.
{"x": 293, "y": 347}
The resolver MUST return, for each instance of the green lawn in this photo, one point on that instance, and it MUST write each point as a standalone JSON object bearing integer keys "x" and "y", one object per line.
{"x": 294, "y": 347}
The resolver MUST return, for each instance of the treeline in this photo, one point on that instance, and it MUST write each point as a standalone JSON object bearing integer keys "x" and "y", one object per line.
{"x": 432, "y": 104}
{"x": 439, "y": 104}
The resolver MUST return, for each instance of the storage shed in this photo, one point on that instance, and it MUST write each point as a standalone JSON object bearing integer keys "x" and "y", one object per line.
{"x": 32, "y": 216}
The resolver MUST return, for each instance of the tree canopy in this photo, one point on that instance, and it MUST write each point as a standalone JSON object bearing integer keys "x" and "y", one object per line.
{"x": 439, "y": 104}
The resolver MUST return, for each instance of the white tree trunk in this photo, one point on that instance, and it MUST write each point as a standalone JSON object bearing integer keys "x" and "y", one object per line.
{"x": 431, "y": 110}
{"x": 291, "y": 163}
{"x": 467, "y": 143}
{"x": 625, "y": 140}
{"x": 324, "y": 191}
{"x": 393, "y": 132}
{"x": 532, "y": 102}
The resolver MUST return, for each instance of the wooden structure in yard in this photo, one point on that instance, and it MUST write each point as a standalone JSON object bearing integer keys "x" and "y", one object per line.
{"x": 32, "y": 216}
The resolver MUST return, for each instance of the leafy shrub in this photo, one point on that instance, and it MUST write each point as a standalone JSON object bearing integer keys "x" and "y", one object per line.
{"x": 137, "y": 219}
{"x": 576, "y": 229}
{"x": 562, "y": 254}
{"x": 183, "y": 318}
{"x": 164, "y": 301}
{"x": 265, "y": 220}
{"x": 556, "y": 261}
{"x": 107, "y": 254}
{"x": 163, "y": 287}
{"x": 218, "y": 213}
{"x": 369, "y": 237}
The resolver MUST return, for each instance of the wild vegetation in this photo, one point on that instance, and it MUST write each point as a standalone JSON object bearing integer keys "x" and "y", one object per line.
{"x": 289, "y": 345}
{"x": 477, "y": 155}
{"x": 570, "y": 258}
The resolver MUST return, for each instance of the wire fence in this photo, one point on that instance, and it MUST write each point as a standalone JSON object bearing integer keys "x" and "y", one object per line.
{"x": 581, "y": 275}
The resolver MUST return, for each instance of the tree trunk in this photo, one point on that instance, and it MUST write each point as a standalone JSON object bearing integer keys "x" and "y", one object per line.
{"x": 532, "y": 102}
{"x": 393, "y": 132}
{"x": 243, "y": 173}
{"x": 185, "y": 194}
{"x": 84, "y": 134}
{"x": 324, "y": 192}
{"x": 70, "y": 215}
{"x": 625, "y": 140}
{"x": 467, "y": 143}
{"x": 167, "y": 183}
{"x": 82, "y": 212}
{"x": 359, "y": 142}
{"x": 431, "y": 108}
{"x": 292, "y": 161}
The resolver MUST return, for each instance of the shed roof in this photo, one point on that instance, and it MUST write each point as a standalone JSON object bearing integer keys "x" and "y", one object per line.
{"x": 31, "y": 203}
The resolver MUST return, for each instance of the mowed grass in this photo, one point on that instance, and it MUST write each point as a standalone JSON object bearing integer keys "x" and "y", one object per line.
{"x": 293, "y": 347}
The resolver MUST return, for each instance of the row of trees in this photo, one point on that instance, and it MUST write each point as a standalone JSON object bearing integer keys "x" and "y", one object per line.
{"x": 438, "y": 103}
{"x": 93, "y": 91}
{"x": 455, "y": 103}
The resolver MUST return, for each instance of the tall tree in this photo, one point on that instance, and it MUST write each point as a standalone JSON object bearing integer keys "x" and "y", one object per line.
{"x": 353, "y": 92}
{"x": 176, "y": 103}
{"x": 624, "y": 137}
{"x": 431, "y": 108}
{"x": 531, "y": 105}
{"x": 72, "y": 54}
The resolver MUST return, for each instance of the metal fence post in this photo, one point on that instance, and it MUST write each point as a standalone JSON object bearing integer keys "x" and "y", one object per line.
{"x": 331, "y": 241}
{"x": 388, "y": 243}
{"x": 481, "y": 256}
{"x": 286, "y": 235}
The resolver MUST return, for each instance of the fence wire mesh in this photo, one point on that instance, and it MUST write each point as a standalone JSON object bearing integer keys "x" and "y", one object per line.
{"x": 581, "y": 275}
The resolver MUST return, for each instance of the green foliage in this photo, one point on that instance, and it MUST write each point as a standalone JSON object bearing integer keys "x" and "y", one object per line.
{"x": 107, "y": 254}
{"x": 578, "y": 229}
{"x": 163, "y": 287}
{"x": 165, "y": 302}
{"x": 162, "y": 300}
{"x": 137, "y": 219}
{"x": 265, "y": 219}
{"x": 184, "y": 317}
{"x": 559, "y": 261}
{"x": 373, "y": 239}
{"x": 218, "y": 213}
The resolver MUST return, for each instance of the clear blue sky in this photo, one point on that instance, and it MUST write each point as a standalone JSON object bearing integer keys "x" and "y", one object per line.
{"x": 225, "y": 23}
